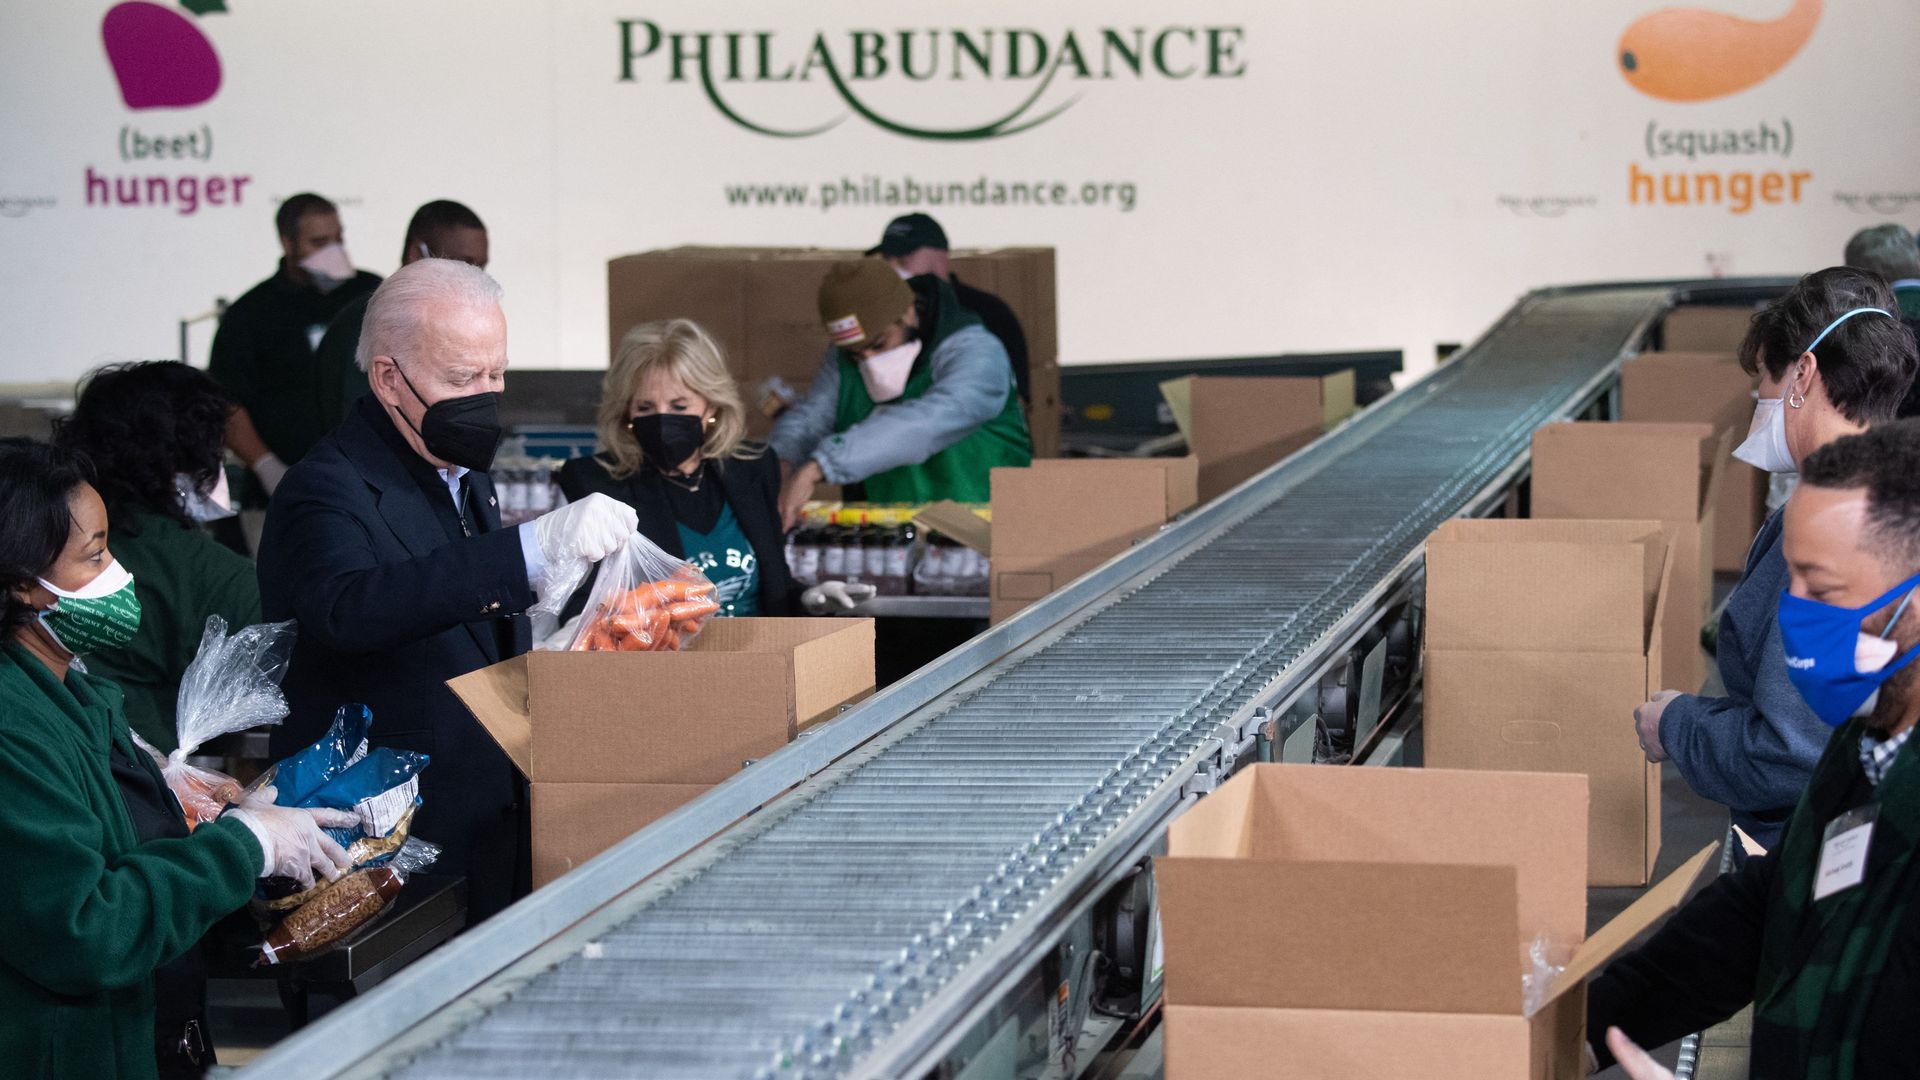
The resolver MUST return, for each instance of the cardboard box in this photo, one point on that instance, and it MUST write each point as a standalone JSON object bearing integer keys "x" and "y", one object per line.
{"x": 1059, "y": 519}
{"x": 1705, "y": 328}
{"x": 1705, "y": 388}
{"x": 1629, "y": 471}
{"x": 612, "y": 741}
{"x": 1415, "y": 894}
{"x": 1541, "y": 638}
{"x": 759, "y": 304}
{"x": 1239, "y": 425}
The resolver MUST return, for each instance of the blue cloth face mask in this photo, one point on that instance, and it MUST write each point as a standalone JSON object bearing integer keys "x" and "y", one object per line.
{"x": 1826, "y": 650}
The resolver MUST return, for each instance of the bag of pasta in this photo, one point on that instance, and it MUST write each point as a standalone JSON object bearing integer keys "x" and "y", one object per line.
{"x": 232, "y": 685}
{"x": 644, "y": 600}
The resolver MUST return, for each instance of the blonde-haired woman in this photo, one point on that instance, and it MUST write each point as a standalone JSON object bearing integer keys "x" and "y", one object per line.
{"x": 673, "y": 446}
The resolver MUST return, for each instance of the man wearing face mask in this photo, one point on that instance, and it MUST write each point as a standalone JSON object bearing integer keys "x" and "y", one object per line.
{"x": 914, "y": 400}
{"x": 1819, "y": 934}
{"x": 1832, "y": 362}
{"x": 264, "y": 351}
{"x": 385, "y": 544}
{"x": 915, "y": 244}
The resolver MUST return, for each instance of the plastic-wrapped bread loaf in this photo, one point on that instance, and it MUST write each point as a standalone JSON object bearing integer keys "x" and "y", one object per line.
{"x": 344, "y": 906}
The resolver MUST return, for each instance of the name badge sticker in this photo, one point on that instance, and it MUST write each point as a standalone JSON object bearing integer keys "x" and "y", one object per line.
{"x": 1843, "y": 858}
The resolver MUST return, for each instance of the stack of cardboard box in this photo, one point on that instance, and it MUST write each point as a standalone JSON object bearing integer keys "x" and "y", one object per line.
{"x": 1394, "y": 911}
{"x": 760, "y": 304}
{"x": 614, "y": 741}
{"x": 1059, "y": 519}
{"x": 1239, "y": 425}
{"x": 1706, "y": 388}
{"x": 1541, "y": 639}
{"x": 1628, "y": 471}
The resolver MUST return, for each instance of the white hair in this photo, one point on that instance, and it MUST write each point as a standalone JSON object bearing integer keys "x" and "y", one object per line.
{"x": 395, "y": 318}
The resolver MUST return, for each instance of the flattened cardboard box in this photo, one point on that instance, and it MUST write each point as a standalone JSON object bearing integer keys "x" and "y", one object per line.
{"x": 1058, "y": 519}
{"x": 759, "y": 304}
{"x": 1542, "y": 637}
{"x": 612, "y": 741}
{"x": 1705, "y": 388}
{"x": 1238, "y": 426}
{"x": 1628, "y": 471}
{"x": 1441, "y": 881}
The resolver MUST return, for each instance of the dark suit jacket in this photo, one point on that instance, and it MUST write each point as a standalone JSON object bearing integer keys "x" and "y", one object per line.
{"x": 390, "y": 606}
{"x": 752, "y": 487}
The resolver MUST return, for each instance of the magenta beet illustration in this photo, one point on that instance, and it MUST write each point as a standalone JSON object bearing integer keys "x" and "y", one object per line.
{"x": 160, "y": 56}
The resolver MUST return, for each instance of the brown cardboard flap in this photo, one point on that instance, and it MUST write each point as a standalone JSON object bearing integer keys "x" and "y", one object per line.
{"x": 663, "y": 718}
{"x": 1397, "y": 926}
{"x": 1308, "y": 813}
{"x": 574, "y": 822}
{"x": 1081, "y": 507}
{"x": 954, "y": 519}
{"x": 1653, "y": 905}
{"x": 1209, "y": 1043}
{"x": 831, "y": 670}
{"x": 1622, "y": 470}
{"x": 1486, "y": 581}
{"x": 496, "y": 695}
{"x": 1705, "y": 328}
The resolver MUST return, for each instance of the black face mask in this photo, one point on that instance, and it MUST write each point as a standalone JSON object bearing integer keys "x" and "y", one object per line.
{"x": 669, "y": 439}
{"x": 463, "y": 431}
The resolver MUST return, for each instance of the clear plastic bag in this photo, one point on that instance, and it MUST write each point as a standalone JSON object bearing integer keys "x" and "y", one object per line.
{"x": 232, "y": 685}
{"x": 644, "y": 600}
{"x": 341, "y": 907}
{"x": 1539, "y": 976}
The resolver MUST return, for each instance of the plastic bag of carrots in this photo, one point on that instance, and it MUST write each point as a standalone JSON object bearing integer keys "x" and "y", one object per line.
{"x": 644, "y": 600}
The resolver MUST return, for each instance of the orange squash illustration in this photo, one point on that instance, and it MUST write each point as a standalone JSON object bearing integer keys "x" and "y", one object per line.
{"x": 1690, "y": 54}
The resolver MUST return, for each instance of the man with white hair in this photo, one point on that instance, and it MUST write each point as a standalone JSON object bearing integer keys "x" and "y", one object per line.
{"x": 385, "y": 544}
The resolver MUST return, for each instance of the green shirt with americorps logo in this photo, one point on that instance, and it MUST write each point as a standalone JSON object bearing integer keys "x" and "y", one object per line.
{"x": 87, "y": 912}
{"x": 181, "y": 576}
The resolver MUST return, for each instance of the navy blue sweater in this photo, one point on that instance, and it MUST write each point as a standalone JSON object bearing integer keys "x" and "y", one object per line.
{"x": 1754, "y": 749}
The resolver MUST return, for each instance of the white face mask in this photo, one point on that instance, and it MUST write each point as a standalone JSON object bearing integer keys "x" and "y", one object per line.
{"x": 329, "y": 267}
{"x": 1765, "y": 447}
{"x": 210, "y": 505}
{"x": 886, "y": 373}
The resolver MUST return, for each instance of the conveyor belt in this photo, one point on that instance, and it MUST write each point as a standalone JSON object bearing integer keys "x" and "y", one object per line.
{"x": 809, "y": 941}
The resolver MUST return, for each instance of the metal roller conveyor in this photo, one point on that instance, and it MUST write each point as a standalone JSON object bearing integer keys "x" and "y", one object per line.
{"x": 950, "y": 831}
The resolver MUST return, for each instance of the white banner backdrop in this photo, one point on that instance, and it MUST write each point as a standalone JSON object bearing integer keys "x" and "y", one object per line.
{"x": 1220, "y": 178}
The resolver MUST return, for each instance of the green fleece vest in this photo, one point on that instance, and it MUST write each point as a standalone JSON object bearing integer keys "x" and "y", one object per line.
{"x": 960, "y": 471}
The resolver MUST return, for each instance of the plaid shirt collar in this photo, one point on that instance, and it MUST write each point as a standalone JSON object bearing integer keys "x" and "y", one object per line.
{"x": 1877, "y": 755}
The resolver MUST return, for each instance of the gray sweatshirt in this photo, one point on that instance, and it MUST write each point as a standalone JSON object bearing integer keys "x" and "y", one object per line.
{"x": 971, "y": 379}
{"x": 1754, "y": 749}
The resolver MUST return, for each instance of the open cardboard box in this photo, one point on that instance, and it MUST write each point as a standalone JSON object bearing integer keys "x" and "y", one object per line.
{"x": 1705, "y": 328}
{"x": 1541, "y": 638}
{"x": 1707, "y": 388}
{"x": 1239, "y": 425}
{"x": 1056, "y": 520}
{"x": 1669, "y": 471}
{"x": 610, "y": 742}
{"x": 1392, "y": 911}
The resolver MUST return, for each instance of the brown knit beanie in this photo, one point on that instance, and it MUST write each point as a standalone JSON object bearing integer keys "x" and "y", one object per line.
{"x": 861, "y": 298}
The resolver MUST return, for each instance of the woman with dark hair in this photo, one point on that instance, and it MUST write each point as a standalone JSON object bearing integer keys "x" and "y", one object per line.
{"x": 103, "y": 884}
{"x": 1833, "y": 359}
{"x": 154, "y": 432}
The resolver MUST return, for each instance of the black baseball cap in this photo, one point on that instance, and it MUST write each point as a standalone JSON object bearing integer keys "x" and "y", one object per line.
{"x": 909, "y": 233}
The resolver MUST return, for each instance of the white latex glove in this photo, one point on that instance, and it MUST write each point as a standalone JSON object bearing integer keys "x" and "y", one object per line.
{"x": 270, "y": 470}
{"x": 291, "y": 842}
{"x": 835, "y": 595}
{"x": 591, "y": 529}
